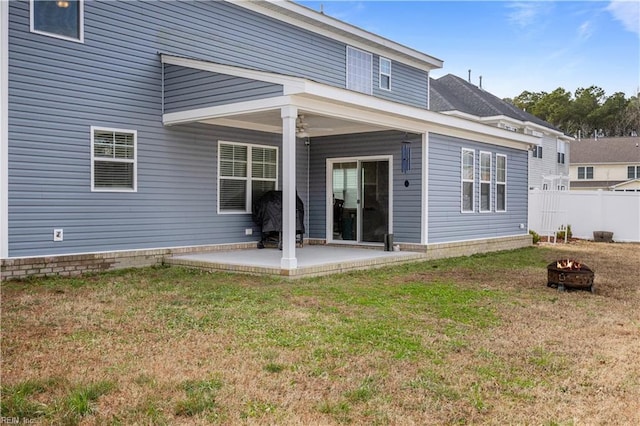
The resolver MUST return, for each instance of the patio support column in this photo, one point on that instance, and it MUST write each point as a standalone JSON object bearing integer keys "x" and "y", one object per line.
{"x": 289, "y": 115}
{"x": 424, "y": 235}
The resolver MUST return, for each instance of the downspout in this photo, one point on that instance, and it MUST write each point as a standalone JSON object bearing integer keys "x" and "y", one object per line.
{"x": 4, "y": 129}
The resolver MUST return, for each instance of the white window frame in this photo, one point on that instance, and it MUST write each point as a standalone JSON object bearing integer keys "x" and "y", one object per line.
{"x": 485, "y": 182}
{"x": 636, "y": 172}
{"x": 561, "y": 152}
{"x": 472, "y": 180}
{"x": 248, "y": 178}
{"x": 359, "y": 78}
{"x": 134, "y": 161}
{"x": 501, "y": 183}
{"x": 585, "y": 172}
{"x": 381, "y": 73}
{"x": 537, "y": 151}
{"x": 54, "y": 35}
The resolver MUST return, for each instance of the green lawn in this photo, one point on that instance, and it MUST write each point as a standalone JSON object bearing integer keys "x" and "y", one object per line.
{"x": 474, "y": 340}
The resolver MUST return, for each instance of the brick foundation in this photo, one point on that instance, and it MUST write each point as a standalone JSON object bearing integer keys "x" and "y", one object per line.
{"x": 77, "y": 264}
{"x": 467, "y": 248}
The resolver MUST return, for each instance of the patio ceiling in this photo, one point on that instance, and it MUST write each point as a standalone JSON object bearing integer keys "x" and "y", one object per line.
{"x": 329, "y": 110}
{"x": 316, "y": 124}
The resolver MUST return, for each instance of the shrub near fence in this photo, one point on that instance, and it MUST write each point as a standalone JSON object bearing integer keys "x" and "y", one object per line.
{"x": 589, "y": 211}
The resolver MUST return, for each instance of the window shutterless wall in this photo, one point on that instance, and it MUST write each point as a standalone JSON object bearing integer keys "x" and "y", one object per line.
{"x": 447, "y": 222}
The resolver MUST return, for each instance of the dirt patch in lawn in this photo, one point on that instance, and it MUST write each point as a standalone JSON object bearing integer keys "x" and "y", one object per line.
{"x": 478, "y": 340}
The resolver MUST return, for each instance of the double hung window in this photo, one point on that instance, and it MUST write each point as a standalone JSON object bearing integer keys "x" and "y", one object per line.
{"x": 492, "y": 185}
{"x": 501, "y": 183}
{"x": 485, "y": 181}
{"x": 633, "y": 172}
{"x": 385, "y": 73}
{"x": 113, "y": 159}
{"x": 245, "y": 173}
{"x": 468, "y": 180}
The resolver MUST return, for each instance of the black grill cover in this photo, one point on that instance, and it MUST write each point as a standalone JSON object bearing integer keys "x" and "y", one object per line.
{"x": 267, "y": 212}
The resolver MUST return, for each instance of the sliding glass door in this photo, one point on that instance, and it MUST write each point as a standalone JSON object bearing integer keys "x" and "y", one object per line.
{"x": 360, "y": 201}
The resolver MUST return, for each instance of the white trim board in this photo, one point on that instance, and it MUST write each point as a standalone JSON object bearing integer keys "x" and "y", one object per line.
{"x": 4, "y": 129}
{"x": 345, "y": 104}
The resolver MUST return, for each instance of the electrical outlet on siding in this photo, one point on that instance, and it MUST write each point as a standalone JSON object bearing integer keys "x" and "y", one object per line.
{"x": 58, "y": 234}
{"x": 248, "y": 231}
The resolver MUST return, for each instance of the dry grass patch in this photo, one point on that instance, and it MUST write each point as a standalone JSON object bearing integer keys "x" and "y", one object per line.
{"x": 475, "y": 340}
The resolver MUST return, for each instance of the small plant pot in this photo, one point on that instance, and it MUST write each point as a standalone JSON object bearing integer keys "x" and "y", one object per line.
{"x": 603, "y": 236}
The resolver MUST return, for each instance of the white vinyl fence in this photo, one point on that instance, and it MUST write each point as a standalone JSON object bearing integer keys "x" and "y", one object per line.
{"x": 586, "y": 212}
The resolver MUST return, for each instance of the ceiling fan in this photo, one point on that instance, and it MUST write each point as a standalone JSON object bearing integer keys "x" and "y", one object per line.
{"x": 303, "y": 127}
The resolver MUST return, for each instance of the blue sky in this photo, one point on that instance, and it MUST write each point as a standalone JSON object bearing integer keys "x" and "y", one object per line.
{"x": 513, "y": 45}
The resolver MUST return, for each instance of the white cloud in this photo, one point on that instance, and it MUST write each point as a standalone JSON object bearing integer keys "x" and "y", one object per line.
{"x": 585, "y": 30}
{"x": 628, "y": 13}
{"x": 525, "y": 13}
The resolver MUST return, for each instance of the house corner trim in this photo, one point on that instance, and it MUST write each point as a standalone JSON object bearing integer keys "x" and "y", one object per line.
{"x": 4, "y": 129}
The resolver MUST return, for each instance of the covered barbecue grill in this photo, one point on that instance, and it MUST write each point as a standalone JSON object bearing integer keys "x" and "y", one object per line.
{"x": 267, "y": 214}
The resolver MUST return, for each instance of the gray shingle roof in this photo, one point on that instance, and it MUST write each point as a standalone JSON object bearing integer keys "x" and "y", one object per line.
{"x": 605, "y": 150}
{"x": 452, "y": 93}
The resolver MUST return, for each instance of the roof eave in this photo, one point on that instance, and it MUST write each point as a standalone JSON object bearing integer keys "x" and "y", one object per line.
{"x": 309, "y": 19}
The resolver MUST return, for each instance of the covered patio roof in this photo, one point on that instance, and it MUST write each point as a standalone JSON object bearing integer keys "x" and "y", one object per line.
{"x": 327, "y": 110}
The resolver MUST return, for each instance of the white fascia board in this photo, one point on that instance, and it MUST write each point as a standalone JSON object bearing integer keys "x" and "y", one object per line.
{"x": 4, "y": 129}
{"x": 290, "y": 84}
{"x": 501, "y": 119}
{"x": 342, "y": 103}
{"x": 538, "y": 130}
{"x": 548, "y": 131}
{"x": 224, "y": 111}
{"x": 417, "y": 119}
{"x": 535, "y": 127}
{"x": 308, "y": 19}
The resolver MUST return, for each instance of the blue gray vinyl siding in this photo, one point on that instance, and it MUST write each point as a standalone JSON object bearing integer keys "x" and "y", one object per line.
{"x": 406, "y": 200}
{"x": 446, "y": 222}
{"x": 187, "y": 88}
{"x": 58, "y": 89}
{"x": 408, "y": 84}
{"x": 175, "y": 204}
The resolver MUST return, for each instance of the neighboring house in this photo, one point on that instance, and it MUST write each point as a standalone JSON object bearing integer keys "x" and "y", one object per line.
{"x": 132, "y": 130}
{"x": 548, "y": 158}
{"x": 611, "y": 164}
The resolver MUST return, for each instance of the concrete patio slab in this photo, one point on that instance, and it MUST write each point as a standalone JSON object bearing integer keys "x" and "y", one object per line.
{"x": 312, "y": 260}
